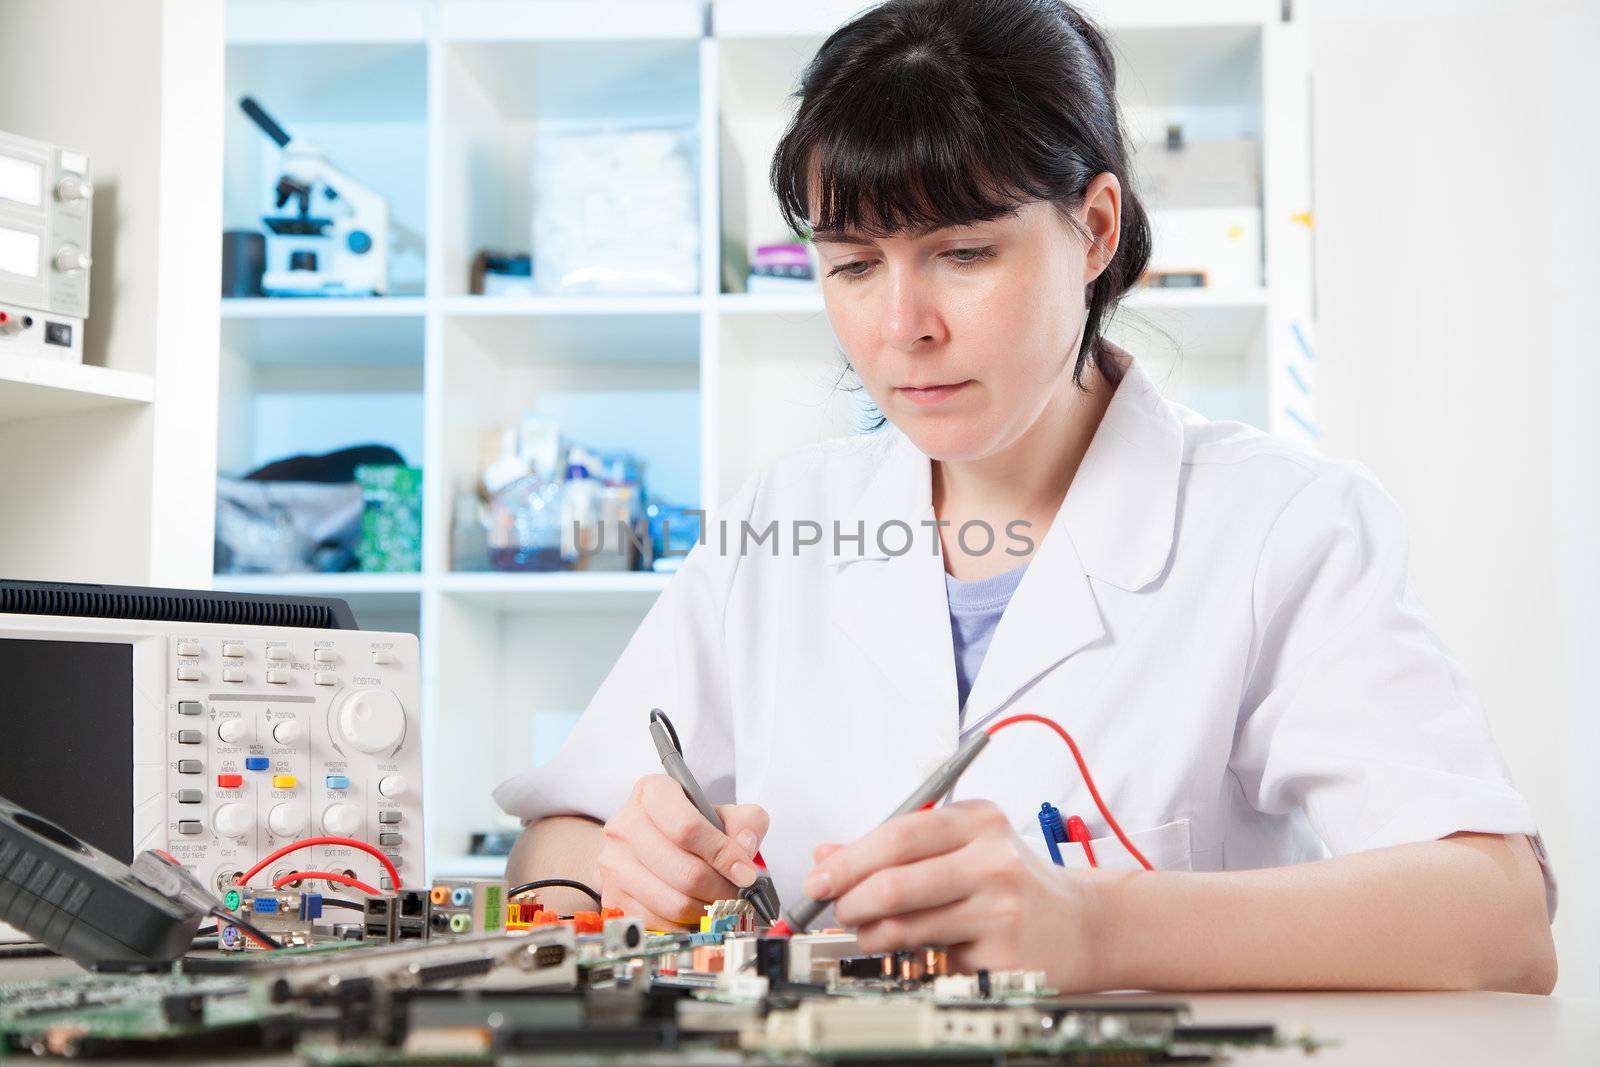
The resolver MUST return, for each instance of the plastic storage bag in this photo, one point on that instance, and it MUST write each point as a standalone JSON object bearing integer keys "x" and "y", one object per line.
{"x": 614, "y": 211}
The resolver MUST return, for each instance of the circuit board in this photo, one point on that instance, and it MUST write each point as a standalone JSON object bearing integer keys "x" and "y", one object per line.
{"x": 594, "y": 988}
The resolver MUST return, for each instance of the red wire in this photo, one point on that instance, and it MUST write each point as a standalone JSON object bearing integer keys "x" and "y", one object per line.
{"x": 342, "y": 879}
{"x": 257, "y": 940}
{"x": 166, "y": 856}
{"x": 1088, "y": 780}
{"x": 348, "y": 842}
{"x": 1078, "y": 831}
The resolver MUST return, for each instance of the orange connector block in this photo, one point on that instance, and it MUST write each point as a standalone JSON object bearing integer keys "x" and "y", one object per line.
{"x": 527, "y": 916}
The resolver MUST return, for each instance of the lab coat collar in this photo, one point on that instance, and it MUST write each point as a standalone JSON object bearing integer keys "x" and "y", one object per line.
{"x": 1120, "y": 515}
{"x": 1122, "y": 510}
{"x": 1116, "y": 525}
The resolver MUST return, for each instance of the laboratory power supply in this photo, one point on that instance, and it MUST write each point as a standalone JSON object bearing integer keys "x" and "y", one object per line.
{"x": 216, "y": 727}
{"x": 46, "y": 208}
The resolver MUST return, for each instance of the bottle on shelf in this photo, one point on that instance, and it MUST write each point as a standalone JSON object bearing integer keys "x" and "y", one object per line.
{"x": 525, "y": 516}
{"x": 579, "y": 515}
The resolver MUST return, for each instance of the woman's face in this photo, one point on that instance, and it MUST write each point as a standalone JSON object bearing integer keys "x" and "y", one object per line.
{"x": 964, "y": 336}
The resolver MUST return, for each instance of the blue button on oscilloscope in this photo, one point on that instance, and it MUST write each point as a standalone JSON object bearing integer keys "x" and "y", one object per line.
{"x": 256, "y": 763}
{"x": 338, "y": 781}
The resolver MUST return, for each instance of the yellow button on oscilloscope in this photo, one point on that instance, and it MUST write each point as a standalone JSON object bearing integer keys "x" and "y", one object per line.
{"x": 284, "y": 781}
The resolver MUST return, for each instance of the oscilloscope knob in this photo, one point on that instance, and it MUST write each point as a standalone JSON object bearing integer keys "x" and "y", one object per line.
{"x": 370, "y": 720}
{"x": 233, "y": 820}
{"x": 342, "y": 820}
{"x": 287, "y": 820}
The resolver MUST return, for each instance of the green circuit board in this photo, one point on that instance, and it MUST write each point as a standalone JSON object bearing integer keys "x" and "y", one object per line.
{"x": 552, "y": 994}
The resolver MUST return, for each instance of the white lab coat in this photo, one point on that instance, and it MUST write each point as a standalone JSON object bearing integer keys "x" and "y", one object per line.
{"x": 1222, "y": 621}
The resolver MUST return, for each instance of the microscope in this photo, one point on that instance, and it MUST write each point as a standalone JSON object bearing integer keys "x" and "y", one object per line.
{"x": 334, "y": 239}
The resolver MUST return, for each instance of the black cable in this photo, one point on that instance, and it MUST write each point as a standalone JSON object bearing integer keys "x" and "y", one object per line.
{"x": 336, "y": 902}
{"x": 223, "y": 917}
{"x": 555, "y": 883}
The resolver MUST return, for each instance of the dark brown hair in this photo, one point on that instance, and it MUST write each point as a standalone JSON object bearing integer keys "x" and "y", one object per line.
{"x": 920, "y": 114}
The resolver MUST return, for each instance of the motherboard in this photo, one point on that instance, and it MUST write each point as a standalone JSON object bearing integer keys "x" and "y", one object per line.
{"x": 467, "y": 973}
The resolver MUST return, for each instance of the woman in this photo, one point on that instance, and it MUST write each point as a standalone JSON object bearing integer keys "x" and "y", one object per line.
{"x": 1221, "y": 622}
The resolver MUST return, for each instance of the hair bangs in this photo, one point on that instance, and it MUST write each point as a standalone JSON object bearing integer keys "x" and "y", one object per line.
{"x": 922, "y": 162}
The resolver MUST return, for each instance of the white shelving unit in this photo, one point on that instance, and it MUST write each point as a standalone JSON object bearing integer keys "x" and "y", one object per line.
{"x": 434, "y": 103}
{"x": 32, "y": 387}
{"x": 104, "y": 465}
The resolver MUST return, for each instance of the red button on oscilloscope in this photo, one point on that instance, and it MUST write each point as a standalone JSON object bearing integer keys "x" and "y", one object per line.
{"x": 230, "y": 781}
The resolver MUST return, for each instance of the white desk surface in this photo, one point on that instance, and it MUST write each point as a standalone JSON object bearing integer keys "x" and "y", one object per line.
{"x": 1383, "y": 1029}
{"x": 1372, "y": 1029}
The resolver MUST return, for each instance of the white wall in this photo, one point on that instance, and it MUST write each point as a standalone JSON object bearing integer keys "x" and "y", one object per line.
{"x": 1457, "y": 227}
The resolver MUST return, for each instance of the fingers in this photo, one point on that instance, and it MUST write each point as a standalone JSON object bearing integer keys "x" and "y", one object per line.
{"x": 633, "y": 830}
{"x": 903, "y": 840}
{"x": 745, "y": 824}
{"x": 911, "y": 888}
{"x": 625, "y": 879}
{"x": 681, "y": 823}
{"x": 823, "y": 851}
{"x": 958, "y": 923}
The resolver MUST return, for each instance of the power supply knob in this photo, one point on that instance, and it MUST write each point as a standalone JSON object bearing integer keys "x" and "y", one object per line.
{"x": 342, "y": 820}
{"x": 69, "y": 258}
{"x": 232, "y": 820}
{"x": 72, "y": 187}
{"x": 287, "y": 732}
{"x": 287, "y": 820}
{"x": 230, "y": 731}
{"x": 371, "y": 720}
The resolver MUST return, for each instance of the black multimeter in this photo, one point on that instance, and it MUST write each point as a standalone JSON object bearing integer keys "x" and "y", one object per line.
{"x": 80, "y": 902}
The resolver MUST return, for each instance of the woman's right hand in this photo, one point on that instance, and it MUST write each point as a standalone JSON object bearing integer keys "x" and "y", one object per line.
{"x": 662, "y": 861}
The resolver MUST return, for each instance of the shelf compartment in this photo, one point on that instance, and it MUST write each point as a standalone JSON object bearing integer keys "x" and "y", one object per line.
{"x": 314, "y": 384}
{"x": 613, "y": 383}
{"x": 365, "y": 105}
{"x": 507, "y": 683}
{"x": 757, "y": 79}
{"x": 498, "y": 95}
{"x": 32, "y": 387}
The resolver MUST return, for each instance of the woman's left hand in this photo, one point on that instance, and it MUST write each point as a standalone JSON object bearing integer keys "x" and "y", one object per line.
{"x": 961, "y": 878}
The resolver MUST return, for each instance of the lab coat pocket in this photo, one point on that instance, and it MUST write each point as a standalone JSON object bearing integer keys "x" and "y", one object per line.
{"x": 1166, "y": 846}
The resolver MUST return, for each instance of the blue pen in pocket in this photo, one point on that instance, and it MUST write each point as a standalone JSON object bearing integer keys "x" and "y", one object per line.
{"x": 1055, "y": 833}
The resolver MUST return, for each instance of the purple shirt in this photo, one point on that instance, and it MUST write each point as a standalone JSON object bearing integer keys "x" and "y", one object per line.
{"x": 975, "y": 610}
